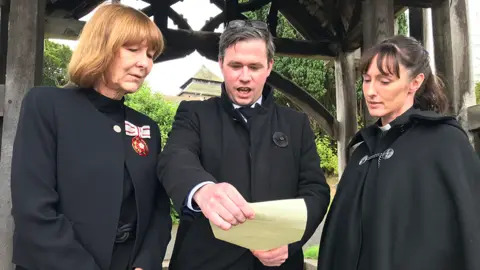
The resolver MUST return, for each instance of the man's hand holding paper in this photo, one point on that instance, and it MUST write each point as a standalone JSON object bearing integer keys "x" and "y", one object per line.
{"x": 223, "y": 205}
{"x": 276, "y": 224}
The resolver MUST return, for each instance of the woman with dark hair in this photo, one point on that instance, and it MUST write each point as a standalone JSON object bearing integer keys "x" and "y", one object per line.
{"x": 409, "y": 196}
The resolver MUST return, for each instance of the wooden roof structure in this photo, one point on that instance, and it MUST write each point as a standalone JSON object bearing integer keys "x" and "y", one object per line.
{"x": 332, "y": 30}
{"x": 202, "y": 85}
{"x": 331, "y": 26}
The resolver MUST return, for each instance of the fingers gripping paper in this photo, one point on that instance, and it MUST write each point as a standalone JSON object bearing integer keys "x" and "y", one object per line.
{"x": 276, "y": 223}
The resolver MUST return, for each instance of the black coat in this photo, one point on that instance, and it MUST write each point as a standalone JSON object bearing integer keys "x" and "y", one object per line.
{"x": 67, "y": 181}
{"x": 211, "y": 142}
{"x": 415, "y": 207}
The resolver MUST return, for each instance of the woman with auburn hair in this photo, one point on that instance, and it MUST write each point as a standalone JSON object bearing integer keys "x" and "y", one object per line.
{"x": 409, "y": 196}
{"x": 85, "y": 194}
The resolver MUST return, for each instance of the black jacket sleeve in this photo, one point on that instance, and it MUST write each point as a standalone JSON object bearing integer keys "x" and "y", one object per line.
{"x": 44, "y": 237}
{"x": 152, "y": 251}
{"x": 312, "y": 186}
{"x": 180, "y": 169}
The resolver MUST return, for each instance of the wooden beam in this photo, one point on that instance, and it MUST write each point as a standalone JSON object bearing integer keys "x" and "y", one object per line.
{"x": 381, "y": 20}
{"x": 272, "y": 18}
{"x": 346, "y": 106}
{"x": 213, "y": 23}
{"x": 307, "y": 25}
{"x": 416, "y": 26}
{"x": 62, "y": 28}
{"x": 58, "y": 27}
{"x": 231, "y": 10}
{"x": 306, "y": 102}
{"x": 243, "y": 7}
{"x": 417, "y": 3}
{"x": 160, "y": 13}
{"x": 178, "y": 19}
{"x": 24, "y": 70}
{"x": 378, "y": 24}
{"x": 208, "y": 41}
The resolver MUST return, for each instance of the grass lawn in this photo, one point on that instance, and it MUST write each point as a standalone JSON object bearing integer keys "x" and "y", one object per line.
{"x": 311, "y": 253}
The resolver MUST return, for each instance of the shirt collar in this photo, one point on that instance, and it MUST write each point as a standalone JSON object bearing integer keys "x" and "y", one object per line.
{"x": 259, "y": 101}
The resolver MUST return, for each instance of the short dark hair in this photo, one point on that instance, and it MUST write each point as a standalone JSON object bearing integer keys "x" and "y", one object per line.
{"x": 247, "y": 31}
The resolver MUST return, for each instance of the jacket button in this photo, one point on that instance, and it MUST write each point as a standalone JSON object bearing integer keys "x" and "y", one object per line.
{"x": 117, "y": 128}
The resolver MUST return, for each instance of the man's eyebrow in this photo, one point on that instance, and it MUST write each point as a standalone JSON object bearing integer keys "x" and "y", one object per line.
{"x": 240, "y": 63}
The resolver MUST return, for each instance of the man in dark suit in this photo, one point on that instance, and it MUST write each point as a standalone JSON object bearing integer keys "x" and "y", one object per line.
{"x": 239, "y": 148}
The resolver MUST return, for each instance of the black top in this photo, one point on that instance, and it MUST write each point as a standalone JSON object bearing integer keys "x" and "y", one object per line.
{"x": 115, "y": 109}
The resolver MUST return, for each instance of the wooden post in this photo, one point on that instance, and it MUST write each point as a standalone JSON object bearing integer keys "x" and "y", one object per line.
{"x": 415, "y": 23}
{"x": 452, "y": 55}
{"x": 24, "y": 70}
{"x": 428, "y": 36}
{"x": 474, "y": 126}
{"x": 346, "y": 106}
{"x": 4, "y": 12}
{"x": 367, "y": 43}
{"x": 378, "y": 24}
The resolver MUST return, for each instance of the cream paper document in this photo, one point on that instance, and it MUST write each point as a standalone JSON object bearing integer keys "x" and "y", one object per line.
{"x": 276, "y": 223}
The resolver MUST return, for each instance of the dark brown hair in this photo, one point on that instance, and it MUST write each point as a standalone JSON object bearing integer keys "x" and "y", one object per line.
{"x": 408, "y": 52}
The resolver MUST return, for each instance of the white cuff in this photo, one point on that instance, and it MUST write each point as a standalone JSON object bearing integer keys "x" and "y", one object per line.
{"x": 190, "y": 195}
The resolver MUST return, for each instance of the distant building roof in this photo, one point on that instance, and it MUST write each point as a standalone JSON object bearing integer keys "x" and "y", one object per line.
{"x": 205, "y": 74}
{"x": 204, "y": 84}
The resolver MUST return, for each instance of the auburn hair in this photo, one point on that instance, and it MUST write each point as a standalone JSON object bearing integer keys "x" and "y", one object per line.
{"x": 111, "y": 27}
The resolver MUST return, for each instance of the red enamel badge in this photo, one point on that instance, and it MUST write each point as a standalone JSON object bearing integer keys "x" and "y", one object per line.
{"x": 140, "y": 146}
{"x": 138, "y": 133}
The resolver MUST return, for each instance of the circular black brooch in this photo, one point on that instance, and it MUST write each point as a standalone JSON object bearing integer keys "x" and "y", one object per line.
{"x": 280, "y": 139}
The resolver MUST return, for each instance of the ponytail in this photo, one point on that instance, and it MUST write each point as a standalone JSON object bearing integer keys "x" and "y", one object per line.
{"x": 431, "y": 95}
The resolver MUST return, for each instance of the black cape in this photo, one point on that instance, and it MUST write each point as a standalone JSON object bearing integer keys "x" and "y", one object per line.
{"x": 408, "y": 199}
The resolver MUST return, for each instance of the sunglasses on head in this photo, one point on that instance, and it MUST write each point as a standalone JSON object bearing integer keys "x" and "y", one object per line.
{"x": 242, "y": 23}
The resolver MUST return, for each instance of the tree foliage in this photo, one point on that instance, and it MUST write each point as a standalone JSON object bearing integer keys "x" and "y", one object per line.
{"x": 55, "y": 62}
{"x": 155, "y": 106}
{"x": 402, "y": 25}
{"x": 477, "y": 92}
